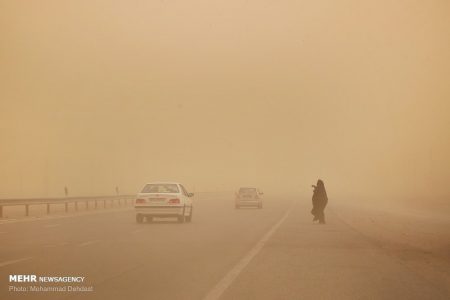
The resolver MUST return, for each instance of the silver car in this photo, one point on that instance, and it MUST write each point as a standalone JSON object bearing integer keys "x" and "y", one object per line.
{"x": 249, "y": 197}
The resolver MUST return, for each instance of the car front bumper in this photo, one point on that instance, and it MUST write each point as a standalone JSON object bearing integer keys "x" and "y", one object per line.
{"x": 160, "y": 211}
{"x": 248, "y": 202}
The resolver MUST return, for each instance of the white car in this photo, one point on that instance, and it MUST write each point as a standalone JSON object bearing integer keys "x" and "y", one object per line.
{"x": 248, "y": 196}
{"x": 164, "y": 199}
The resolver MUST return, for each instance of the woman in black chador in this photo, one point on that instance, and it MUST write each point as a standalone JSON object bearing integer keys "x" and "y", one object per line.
{"x": 319, "y": 201}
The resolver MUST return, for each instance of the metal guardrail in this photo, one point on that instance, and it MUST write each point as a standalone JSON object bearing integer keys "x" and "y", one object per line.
{"x": 120, "y": 199}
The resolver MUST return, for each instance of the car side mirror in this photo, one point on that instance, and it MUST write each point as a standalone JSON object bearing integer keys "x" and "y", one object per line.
{"x": 190, "y": 194}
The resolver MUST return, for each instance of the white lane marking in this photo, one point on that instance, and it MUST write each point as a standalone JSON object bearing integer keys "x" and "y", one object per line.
{"x": 4, "y": 221}
{"x": 88, "y": 243}
{"x": 51, "y": 225}
{"x": 228, "y": 279}
{"x": 10, "y": 262}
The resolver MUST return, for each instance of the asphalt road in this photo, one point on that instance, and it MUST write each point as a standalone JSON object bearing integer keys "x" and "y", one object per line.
{"x": 270, "y": 253}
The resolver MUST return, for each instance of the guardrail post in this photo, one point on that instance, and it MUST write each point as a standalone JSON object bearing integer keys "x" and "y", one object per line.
{"x": 120, "y": 202}
{"x": 1, "y": 211}
{"x": 66, "y": 206}
{"x": 87, "y": 205}
{"x": 27, "y": 210}
{"x": 95, "y": 205}
{"x": 48, "y": 208}
{"x": 104, "y": 203}
{"x": 76, "y": 205}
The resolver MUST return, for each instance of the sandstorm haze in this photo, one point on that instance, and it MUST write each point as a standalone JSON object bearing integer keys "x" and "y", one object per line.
{"x": 217, "y": 94}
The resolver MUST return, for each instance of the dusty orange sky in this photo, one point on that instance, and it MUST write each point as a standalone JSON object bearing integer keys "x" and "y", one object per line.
{"x": 218, "y": 94}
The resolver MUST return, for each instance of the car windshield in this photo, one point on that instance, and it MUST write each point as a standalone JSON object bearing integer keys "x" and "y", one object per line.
{"x": 160, "y": 188}
{"x": 247, "y": 190}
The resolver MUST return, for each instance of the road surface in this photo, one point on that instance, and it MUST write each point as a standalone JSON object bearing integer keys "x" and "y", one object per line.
{"x": 270, "y": 253}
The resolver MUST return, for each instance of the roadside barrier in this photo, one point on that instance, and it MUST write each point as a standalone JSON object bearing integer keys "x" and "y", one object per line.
{"x": 104, "y": 201}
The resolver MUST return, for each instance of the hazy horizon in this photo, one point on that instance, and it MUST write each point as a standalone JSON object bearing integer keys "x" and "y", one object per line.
{"x": 216, "y": 95}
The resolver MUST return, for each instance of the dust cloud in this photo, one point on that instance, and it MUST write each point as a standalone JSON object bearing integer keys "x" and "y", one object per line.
{"x": 218, "y": 94}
